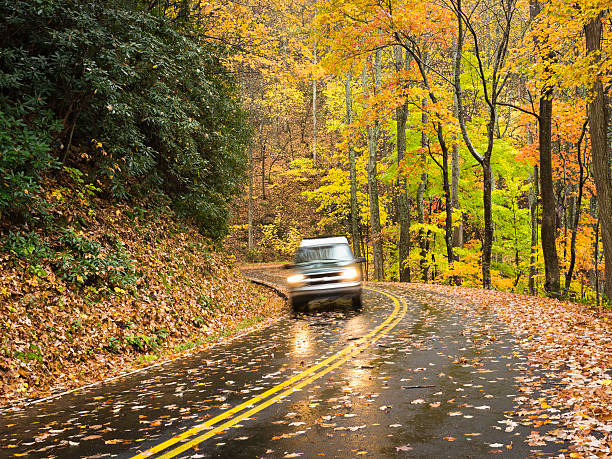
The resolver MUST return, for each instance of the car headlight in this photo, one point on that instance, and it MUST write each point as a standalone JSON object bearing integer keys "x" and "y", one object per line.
{"x": 295, "y": 278}
{"x": 349, "y": 274}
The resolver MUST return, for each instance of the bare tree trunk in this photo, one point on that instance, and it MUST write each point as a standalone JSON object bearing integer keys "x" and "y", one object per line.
{"x": 596, "y": 254}
{"x": 250, "y": 211}
{"x": 401, "y": 116}
{"x": 420, "y": 207}
{"x": 533, "y": 207}
{"x": 487, "y": 243}
{"x": 263, "y": 143}
{"x": 448, "y": 224}
{"x": 602, "y": 158}
{"x": 552, "y": 284}
{"x": 373, "y": 132}
{"x": 576, "y": 214}
{"x": 492, "y": 87}
{"x": 458, "y": 228}
{"x": 263, "y": 174}
{"x": 353, "y": 171}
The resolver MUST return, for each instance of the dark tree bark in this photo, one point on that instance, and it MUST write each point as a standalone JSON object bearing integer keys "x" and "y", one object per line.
{"x": 373, "y": 133}
{"x": 423, "y": 265}
{"x": 250, "y": 208}
{"x": 403, "y": 203}
{"x": 487, "y": 243}
{"x": 533, "y": 208}
{"x": 458, "y": 228}
{"x": 602, "y": 161}
{"x": 448, "y": 223}
{"x": 263, "y": 159}
{"x": 552, "y": 283}
{"x": 576, "y": 216}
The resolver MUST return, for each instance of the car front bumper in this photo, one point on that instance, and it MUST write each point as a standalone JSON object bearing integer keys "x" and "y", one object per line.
{"x": 326, "y": 291}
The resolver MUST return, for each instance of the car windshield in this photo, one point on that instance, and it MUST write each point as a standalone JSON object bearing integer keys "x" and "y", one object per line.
{"x": 336, "y": 252}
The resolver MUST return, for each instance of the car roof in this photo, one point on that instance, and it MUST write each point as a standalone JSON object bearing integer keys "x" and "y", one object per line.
{"x": 323, "y": 241}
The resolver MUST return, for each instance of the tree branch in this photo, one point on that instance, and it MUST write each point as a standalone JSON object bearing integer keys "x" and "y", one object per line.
{"x": 527, "y": 112}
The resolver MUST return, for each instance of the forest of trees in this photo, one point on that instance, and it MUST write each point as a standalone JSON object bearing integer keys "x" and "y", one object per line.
{"x": 457, "y": 141}
{"x": 454, "y": 141}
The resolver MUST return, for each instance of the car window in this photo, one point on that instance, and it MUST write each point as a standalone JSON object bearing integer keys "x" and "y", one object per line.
{"x": 336, "y": 252}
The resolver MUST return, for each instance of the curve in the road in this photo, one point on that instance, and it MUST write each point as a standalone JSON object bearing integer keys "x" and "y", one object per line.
{"x": 287, "y": 387}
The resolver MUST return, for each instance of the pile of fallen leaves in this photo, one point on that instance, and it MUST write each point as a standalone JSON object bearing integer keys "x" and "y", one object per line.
{"x": 574, "y": 346}
{"x": 58, "y": 333}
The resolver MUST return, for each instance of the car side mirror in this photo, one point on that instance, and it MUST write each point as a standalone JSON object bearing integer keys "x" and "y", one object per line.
{"x": 360, "y": 260}
{"x": 287, "y": 266}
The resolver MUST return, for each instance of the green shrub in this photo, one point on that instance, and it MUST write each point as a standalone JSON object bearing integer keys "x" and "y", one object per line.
{"x": 207, "y": 303}
{"x": 29, "y": 248}
{"x": 24, "y": 157}
{"x": 87, "y": 261}
{"x": 142, "y": 343}
{"x": 149, "y": 104}
{"x": 33, "y": 353}
{"x": 114, "y": 345}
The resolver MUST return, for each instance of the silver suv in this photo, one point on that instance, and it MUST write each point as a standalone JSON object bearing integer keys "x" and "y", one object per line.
{"x": 324, "y": 269}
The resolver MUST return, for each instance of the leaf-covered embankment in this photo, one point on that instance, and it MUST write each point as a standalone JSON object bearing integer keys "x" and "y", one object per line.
{"x": 113, "y": 288}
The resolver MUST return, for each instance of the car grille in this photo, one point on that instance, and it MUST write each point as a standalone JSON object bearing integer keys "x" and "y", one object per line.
{"x": 323, "y": 278}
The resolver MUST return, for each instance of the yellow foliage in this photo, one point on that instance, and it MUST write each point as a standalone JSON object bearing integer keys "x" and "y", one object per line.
{"x": 500, "y": 282}
{"x": 276, "y": 236}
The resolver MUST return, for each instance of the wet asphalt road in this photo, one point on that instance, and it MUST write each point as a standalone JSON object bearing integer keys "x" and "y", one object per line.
{"x": 440, "y": 383}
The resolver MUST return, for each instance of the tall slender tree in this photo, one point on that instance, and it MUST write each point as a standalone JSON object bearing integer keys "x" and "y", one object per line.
{"x": 373, "y": 130}
{"x": 401, "y": 116}
{"x": 492, "y": 86}
{"x": 552, "y": 283}
{"x": 602, "y": 159}
{"x": 348, "y": 95}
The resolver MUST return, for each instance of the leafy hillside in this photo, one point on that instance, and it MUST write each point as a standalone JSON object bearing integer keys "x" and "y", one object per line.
{"x": 117, "y": 286}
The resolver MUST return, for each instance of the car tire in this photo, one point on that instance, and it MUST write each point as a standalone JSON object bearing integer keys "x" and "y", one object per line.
{"x": 357, "y": 303}
{"x": 298, "y": 305}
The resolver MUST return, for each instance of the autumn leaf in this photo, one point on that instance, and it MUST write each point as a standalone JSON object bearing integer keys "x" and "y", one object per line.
{"x": 91, "y": 437}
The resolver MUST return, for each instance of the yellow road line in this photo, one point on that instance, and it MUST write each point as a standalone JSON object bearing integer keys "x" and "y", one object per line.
{"x": 184, "y": 447}
{"x": 347, "y": 352}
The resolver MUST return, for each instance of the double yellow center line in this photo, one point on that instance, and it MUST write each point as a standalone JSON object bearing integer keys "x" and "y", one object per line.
{"x": 278, "y": 392}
